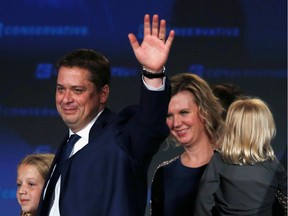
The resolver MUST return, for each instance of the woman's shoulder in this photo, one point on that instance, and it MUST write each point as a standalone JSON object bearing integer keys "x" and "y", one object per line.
{"x": 217, "y": 154}
{"x": 216, "y": 158}
{"x": 162, "y": 168}
{"x": 168, "y": 162}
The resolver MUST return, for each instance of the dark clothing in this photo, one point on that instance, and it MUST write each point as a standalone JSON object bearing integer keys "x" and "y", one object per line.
{"x": 174, "y": 189}
{"x": 240, "y": 189}
{"x": 108, "y": 177}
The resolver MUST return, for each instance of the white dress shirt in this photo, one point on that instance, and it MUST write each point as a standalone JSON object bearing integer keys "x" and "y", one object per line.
{"x": 84, "y": 134}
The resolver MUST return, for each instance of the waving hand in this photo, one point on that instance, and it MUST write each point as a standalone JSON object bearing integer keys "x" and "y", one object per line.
{"x": 153, "y": 52}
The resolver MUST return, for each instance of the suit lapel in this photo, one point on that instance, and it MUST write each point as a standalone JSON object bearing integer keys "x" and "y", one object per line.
{"x": 96, "y": 130}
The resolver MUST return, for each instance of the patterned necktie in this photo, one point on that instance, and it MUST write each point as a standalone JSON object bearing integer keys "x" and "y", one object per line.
{"x": 57, "y": 172}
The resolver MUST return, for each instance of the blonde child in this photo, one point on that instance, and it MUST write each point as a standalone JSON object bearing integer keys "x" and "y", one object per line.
{"x": 243, "y": 177}
{"x": 31, "y": 175}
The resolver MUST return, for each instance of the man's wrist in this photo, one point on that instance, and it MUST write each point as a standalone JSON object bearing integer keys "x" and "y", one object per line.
{"x": 151, "y": 75}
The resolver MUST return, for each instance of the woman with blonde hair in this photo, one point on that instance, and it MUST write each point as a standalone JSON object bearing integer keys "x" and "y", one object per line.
{"x": 31, "y": 175}
{"x": 243, "y": 177}
{"x": 195, "y": 123}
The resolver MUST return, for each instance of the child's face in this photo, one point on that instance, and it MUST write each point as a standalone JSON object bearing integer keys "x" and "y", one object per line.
{"x": 29, "y": 187}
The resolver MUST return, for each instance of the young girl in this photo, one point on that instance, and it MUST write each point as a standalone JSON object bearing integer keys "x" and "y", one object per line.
{"x": 31, "y": 175}
{"x": 243, "y": 177}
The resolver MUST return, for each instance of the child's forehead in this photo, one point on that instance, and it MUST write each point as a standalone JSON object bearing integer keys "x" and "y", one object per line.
{"x": 28, "y": 171}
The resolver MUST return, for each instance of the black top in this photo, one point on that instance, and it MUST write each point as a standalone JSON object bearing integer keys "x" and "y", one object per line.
{"x": 240, "y": 189}
{"x": 174, "y": 189}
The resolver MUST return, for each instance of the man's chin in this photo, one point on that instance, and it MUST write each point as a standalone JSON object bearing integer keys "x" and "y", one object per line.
{"x": 69, "y": 121}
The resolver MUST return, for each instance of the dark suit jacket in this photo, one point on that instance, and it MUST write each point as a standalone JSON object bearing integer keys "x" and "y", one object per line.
{"x": 240, "y": 189}
{"x": 108, "y": 177}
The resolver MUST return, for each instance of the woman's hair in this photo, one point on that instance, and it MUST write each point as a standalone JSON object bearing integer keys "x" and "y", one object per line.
{"x": 41, "y": 162}
{"x": 210, "y": 109}
{"x": 249, "y": 129}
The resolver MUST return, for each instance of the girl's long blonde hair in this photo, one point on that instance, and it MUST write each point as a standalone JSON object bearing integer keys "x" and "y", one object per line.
{"x": 249, "y": 129}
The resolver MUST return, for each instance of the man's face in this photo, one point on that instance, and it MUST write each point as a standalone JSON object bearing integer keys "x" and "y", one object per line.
{"x": 77, "y": 99}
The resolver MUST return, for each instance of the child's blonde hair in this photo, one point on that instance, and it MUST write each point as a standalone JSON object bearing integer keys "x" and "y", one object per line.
{"x": 249, "y": 129}
{"x": 41, "y": 162}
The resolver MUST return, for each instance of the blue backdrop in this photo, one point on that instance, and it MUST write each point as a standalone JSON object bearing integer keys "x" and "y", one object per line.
{"x": 240, "y": 42}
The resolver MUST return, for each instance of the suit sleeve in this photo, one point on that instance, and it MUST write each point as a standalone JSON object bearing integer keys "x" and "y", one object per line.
{"x": 208, "y": 186}
{"x": 282, "y": 177}
{"x": 142, "y": 131}
{"x": 280, "y": 203}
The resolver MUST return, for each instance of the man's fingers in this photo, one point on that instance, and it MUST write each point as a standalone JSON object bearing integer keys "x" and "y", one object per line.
{"x": 155, "y": 25}
{"x": 170, "y": 38}
{"x": 133, "y": 41}
{"x": 147, "y": 28}
{"x": 162, "y": 30}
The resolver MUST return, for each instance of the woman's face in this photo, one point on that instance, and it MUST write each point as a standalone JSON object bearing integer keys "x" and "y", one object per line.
{"x": 183, "y": 119}
{"x": 29, "y": 187}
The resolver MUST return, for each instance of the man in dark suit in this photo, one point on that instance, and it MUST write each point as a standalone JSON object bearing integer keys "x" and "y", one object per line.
{"x": 106, "y": 173}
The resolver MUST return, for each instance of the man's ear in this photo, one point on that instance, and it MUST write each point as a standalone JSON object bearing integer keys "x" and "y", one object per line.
{"x": 104, "y": 93}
